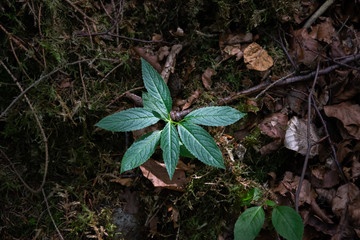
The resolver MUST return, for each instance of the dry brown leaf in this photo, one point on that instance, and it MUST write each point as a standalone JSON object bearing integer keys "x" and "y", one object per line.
{"x": 123, "y": 181}
{"x": 354, "y": 211}
{"x": 157, "y": 37}
{"x": 257, "y": 58}
{"x": 345, "y": 195}
{"x": 191, "y": 99}
{"x": 274, "y": 126}
{"x": 163, "y": 52}
{"x": 149, "y": 56}
{"x": 157, "y": 174}
{"x": 206, "y": 78}
{"x": 305, "y": 47}
{"x": 326, "y": 31}
{"x": 296, "y": 139}
{"x": 348, "y": 114}
{"x": 355, "y": 169}
{"x": 325, "y": 177}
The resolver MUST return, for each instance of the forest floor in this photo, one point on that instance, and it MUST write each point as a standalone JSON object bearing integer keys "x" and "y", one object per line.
{"x": 292, "y": 68}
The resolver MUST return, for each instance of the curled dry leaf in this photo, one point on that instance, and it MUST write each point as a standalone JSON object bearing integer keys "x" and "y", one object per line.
{"x": 257, "y": 58}
{"x": 296, "y": 139}
{"x": 157, "y": 174}
{"x": 206, "y": 78}
{"x": 191, "y": 99}
{"x": 348, "y": 114}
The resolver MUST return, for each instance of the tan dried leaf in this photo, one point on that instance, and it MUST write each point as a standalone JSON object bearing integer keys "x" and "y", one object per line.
{"x": 206, "y": 78}
{"x": 257, "y": 58}
{"x": 191, "y": 99}
{"x": 157, "y": 174}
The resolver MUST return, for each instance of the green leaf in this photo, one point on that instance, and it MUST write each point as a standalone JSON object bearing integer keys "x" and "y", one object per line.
{"x": 270, "y": 203}
{"x": 154, "y": 106}
{"x": 156, "y": 86}
{"x": 169, "y": 143}
{"x": 185, "y": 152}
{"x": 249, "y": 224}
{"x": 200, "y": 144}
{"x": 214, "y": 116}
{"x": 287, "y": 223}
{"x": 128, "y": 120}
{"x": 140, "y": 151}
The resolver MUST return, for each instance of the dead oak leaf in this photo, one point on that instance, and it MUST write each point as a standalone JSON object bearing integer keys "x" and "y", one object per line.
{"x": 257, "y": 58}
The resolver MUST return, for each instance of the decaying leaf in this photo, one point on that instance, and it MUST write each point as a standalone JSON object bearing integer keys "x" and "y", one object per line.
{"x": 157, "y": 174}
{"x": 305, "y": 47}
{"x": 206, "y": 78}
{"x": 257, "y": 58}
{"x": 349, "y": 114}
{"x": 290, "y": 184}
{"x": 231, "y": 44}
{"x": 296, "y": 139}
{"x": 325, "y": 177}
{"x": 123, "y": 181}
{"x": 345, "y": 195}
{"x": 191, "y": 99}
{"x": 274, "y": 126}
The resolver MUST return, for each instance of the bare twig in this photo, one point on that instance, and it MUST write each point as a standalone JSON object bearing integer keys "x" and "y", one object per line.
{"x": 123, "y": 94}
{"x": 273, "y": 84}
{"x": 318, "y": 13}
{"x": 308, "y": 136}
{"x": 52, "y": 219}
{"x": 287, "y": 81}
{"x": 330, "y": 142}
{"x": 81, "y": 12}
{"x": 83, "y": 83}
{"x": 42, "y": 134}
{"x": 36, "y": 83}
{"x": 112, "y": 70}
{"x": 107, "y": 33}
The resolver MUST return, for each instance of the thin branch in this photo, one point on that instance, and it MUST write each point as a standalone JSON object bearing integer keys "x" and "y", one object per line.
{"x": 107, "y": 33}
{"x": 81, "y": 12}
{"x": 308, "y": 138}
{"x": 274, "y": 83}
{"x": 287, "y": 81}
{"x": 318, "y": 13}
{"x": 41, "y": 130}
{"x": 83, "y": 83}
{"x": 52, "y": 219}
{"x": 36, "y": 83}
{"x": 330, "y": 142}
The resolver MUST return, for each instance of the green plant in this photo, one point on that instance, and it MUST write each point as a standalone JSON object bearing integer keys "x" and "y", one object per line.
{"x": 286, "y": 221}
{"x": 157, "y": 106}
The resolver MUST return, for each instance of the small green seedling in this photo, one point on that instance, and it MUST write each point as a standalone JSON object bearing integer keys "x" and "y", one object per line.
{"x": 286, "y": 221}
{"x": 193, "y": 141}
